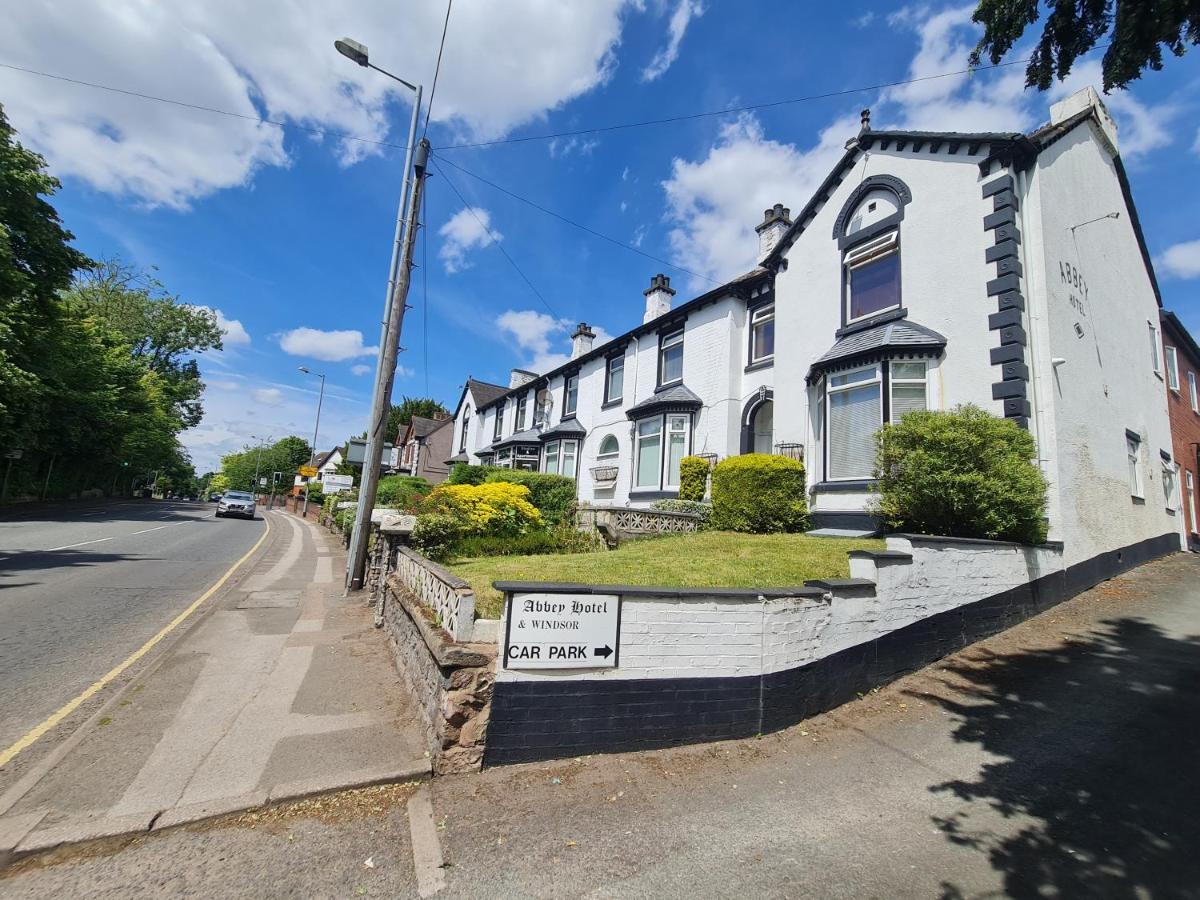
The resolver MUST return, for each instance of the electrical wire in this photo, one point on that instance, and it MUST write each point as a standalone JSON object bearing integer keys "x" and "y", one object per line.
{"x": 425, "y": 293}
{"x": 491, "y": 234}
{"x": 437, "y": 68}
{"x": 579, "y": 225}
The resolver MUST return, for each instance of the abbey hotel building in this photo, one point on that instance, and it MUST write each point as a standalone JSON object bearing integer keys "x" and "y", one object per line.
{"x": 928, "y": 270}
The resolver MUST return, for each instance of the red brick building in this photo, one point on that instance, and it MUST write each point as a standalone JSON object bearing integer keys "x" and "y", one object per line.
{"x": 1181, "y": 365}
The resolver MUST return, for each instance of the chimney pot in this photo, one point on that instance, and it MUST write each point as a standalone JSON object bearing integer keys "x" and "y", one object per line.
{"x": 775, "y": 223}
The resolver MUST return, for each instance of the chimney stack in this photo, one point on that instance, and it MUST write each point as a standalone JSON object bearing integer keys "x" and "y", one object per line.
{"x": 581, "y": 340}
{"x": 1077, "y": 103}
{"x": 658, "y": 297}
{"x": 520, "y": 377}
{"x": 776, "y": 221}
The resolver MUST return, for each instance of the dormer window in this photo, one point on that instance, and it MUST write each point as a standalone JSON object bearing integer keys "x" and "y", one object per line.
{"x": 872, "y": 277}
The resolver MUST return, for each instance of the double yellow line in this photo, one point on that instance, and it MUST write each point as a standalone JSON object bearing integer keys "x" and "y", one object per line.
{"x": 38, "y": 731}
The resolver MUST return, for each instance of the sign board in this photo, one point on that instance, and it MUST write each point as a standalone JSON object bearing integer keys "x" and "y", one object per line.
{"x": 562, "y": 631}
{"x": 332, "y": 484}
{"x": 356, "y": 452}
{"x": 308, "y": 471}
{"x": 262, "y": 482}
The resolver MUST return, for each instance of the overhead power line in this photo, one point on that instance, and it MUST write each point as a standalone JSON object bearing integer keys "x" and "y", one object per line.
{"x": 437, "y": 68}
{"x": 491, "y": 234}
{"x": 579, "y": 225}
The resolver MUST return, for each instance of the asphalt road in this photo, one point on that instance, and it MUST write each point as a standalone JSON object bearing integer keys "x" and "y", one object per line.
{"x": 84, "y": 586}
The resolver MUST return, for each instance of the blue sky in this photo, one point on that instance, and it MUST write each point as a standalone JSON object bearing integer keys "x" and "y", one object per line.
{"x": 288, "y": 233}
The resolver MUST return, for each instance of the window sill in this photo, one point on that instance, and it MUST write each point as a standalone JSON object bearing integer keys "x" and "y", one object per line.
{"x": 668, "y": 384}
{"x": 652, "y": 494}
{"x": 879, "y": 318}
{"x": 611, "y": 404}
{"x": 1139, "y": 501}
{"x": 761, "y": 364}
{"x": 860, "y": 485}
{"x": 567, "y": 417}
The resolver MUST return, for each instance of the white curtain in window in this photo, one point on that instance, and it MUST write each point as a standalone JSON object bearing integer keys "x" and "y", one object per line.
{"x": 676, "y": 447}
{"x": 854, "y": 417}
{"x": 649, "y": 441}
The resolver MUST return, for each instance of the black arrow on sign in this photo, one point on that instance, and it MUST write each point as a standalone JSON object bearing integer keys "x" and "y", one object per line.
{"x": 603, "y": 652}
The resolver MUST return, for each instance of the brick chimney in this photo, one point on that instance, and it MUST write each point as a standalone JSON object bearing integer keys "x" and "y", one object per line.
{"x": 658, "y": 297}
{"x": 520, "y": 377}
{"x": 581, "y": 340}
{"x": 776, "y": 221}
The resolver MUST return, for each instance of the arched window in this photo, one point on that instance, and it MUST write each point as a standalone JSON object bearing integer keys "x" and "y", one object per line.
{"x": 762, "y": 426}
{"x": 608, "y": 447}
{"x": 466, "y": 426}
{"x": 867, "y": 231}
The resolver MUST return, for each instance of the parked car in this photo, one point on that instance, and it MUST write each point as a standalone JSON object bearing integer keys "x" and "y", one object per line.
{"x": 236, "y": 503}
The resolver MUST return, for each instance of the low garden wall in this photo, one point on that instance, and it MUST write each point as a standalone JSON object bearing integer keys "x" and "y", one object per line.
{"x": 624, "y": 523}
{"x": 709, "y": 664}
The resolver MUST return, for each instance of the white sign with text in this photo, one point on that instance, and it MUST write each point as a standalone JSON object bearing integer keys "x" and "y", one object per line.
{"x": 562, "y": 631}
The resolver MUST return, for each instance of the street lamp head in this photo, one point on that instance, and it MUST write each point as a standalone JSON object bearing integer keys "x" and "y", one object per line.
{"x": 352, "y": 50}
{"x": 304, "y": 369}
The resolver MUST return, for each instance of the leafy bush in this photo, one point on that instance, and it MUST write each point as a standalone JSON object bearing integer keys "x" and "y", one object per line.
{"x": 499, "y": 508}
{"x": 693, "y": 477}
{"x": 703, "y": 510}
{"x": 553, "y": 495}
{"x": 558, "y": 540}
{"x": 464, "y": 473}
{"x": 315, "y": 495}
{"x": 759, "y": 493}
{"x": 962, "y": 473}
{"x": 401, "y": 491}
{"x": 436, "y": 534}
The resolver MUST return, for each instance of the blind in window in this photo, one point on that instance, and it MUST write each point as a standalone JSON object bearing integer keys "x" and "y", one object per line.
{"x": 854, "y": 417}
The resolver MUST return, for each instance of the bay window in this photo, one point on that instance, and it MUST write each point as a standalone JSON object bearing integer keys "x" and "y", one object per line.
{"x": 677, "y": 439}
{"x": 908, "y": 388}
{"x": 873, "y": 277}
{"x": 614, "y": 379}
{"x": 670, "y": 358}
{"x": 561, "y": 458}
{"x": 855, "y": 408}
{"x": 762, "y": 334}
{"x": 570, "y": 394}
{"x": 660, "y": 442}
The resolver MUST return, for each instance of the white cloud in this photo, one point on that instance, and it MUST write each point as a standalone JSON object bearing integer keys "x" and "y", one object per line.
{"x": 685, "y": 11}
{"x": 268, "y": 396}
{"x": 360, "y": 369}
{"x": 276, "y": 59}
{"x": 224, "y": 385}
{"x": 331, "y": 346}
{"x": 468, "y": 229}
{"x": 538, "y": 335}
{"x": 1181, "y": 260}
{"x": 574, "y": 144}
{"x": 233, "y": 333}
{"x": 864, "y": 20}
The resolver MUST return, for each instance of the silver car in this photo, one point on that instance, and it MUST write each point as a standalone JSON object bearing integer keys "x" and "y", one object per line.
{"x": 236, "y": 503}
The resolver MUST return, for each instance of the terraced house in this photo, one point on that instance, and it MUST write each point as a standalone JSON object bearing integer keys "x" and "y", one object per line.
{"x": 929, "y": 270}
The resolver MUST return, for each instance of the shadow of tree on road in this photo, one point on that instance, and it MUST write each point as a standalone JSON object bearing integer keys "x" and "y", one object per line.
{"x": 42, "y": 560}
{"x": 1100, "y": 745}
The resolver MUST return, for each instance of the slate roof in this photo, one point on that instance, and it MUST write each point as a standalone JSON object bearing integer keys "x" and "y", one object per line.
{"x": 422, "y": 426}
{"x": 677, "y": 396}
{"x": 898, "y": 335}
{"x": 528, "y": 436}
{"x": 566, "y": 428}
{"x": 484, "y": 392}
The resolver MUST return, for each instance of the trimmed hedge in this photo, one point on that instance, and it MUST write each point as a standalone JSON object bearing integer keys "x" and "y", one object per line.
{"x": 401, "y": 491}
{"x": 693, "y": 478}
{"x": 759, "y": 493}
{"x": 465, "y": 473}
{"x": 703, "y": 510}
{"x": 553, "y": 495}
{"x": 960, "y": 473}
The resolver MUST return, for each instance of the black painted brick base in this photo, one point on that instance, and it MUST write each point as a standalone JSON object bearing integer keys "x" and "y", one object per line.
{"x": 537, "y": 720}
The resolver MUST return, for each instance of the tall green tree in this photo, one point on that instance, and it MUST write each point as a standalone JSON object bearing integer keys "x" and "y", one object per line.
{"x": 1137, "y": 30}
{"x": 401, "y": 413}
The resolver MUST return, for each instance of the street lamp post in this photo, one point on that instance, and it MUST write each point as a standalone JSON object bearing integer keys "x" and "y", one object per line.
{"x": 316, "y": 430}
{"x": 257, "y": 460}
{"x": 399, "y": 276}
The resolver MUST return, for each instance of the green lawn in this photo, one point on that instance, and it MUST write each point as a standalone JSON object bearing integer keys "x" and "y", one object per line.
{"x": 706, "y": 559}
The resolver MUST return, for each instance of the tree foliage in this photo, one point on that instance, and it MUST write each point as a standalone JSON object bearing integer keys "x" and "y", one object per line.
{"x": 284, "y": 456}
{"x": 1138, "y": 31}
{"x": 401, "y": 413}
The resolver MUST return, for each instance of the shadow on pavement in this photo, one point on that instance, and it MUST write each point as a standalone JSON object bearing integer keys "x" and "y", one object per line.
{"x": 1100, "y": 739}
{"x": 35, "y": 561}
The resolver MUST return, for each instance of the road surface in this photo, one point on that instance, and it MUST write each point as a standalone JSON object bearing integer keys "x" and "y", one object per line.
{"x": 82, "y": 586}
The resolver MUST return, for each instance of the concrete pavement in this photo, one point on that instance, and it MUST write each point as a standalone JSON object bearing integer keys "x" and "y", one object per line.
{"x": 1057, "y": 759}
{"x": 282, "y": 690}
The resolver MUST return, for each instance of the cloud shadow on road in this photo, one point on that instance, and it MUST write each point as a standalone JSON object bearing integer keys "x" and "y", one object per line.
{"x": 1100, "y": 742}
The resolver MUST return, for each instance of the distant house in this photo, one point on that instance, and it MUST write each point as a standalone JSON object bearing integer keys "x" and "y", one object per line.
{"x": 468, "y": 444}
{"x": 1181, "y": 365}
{"x": 326, "y": 463}
{"x": 424, "y": 445}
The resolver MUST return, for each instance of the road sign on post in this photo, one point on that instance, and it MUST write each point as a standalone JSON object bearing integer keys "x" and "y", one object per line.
{"x": 562, "y": 631}
{"x": 308, "y": 471}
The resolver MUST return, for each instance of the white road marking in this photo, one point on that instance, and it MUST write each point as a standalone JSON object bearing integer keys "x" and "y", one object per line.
{"x": 157, "y": 528}
{"x": 427, "y": 852}
{"x": 102, "y": 540}
{"x": 69, "y": 546}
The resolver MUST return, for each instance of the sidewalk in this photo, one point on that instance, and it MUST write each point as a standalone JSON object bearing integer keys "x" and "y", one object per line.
{"x": 285, "y": 689}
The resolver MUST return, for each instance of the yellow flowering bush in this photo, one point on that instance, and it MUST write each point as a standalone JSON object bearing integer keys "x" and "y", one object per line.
{"x": 493, "y": 508}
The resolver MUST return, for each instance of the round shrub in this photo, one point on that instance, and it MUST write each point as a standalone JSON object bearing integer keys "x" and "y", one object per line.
{"x": 960, "y": 473}
{"x": 465, "y": 473}
{"x": 553, "y": 495}
{"x": 693, "y": 478}
{"x": 435, "y": 535}
{"x": 759, "y": 493}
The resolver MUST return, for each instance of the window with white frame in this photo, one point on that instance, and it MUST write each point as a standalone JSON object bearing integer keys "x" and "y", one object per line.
{"x": 1191, "y": 500}
{"x": 1192, "y": 390}
{"x": 498, "y": 425}
{"x": 614, "y": 379}
{"x": 762, "y": 334}
{"x": 608, "y": 447}
{"x": 1170, "y": 485}
{"x": 648, "y": 453}
{"x": 466, "y": 426}
{"x": 1155, "y": 359}
{"x": 1133, "y": 452}
{"x": 909, "y": 388}
{"x": 570, "y": 394}
{"x": 855, "y": 409}
{"x": 873, "y": 277}
{"x": 522, "y": 412}
{"x": 561, "y": 457}
{"x": 670, "y": 358}
{"x": 551, "y": 461}
{"x": 1172, "y": 367}
{"x": 677, "y": 441}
